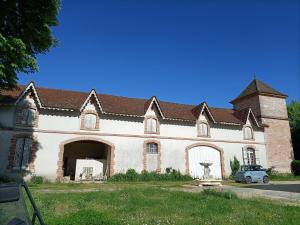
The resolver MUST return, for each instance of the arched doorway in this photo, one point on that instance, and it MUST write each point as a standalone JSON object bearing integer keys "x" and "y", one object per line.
{"x": 197, "y": 153}
{"x": 84, "y": 158}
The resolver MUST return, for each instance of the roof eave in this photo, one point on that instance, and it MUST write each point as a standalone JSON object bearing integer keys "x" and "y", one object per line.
{"x": 258, "y": 93}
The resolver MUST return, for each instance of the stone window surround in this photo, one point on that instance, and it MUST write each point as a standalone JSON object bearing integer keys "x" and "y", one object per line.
{"x": 12, "y": 151}
{"x": 187, "y": 164}
{"x": 252, "y": 147}
{"x": 208, "y": 128}
{"x": 111, "y": 154}
{"x": 82, "y": 116}
{"x": 158, "y": 170}
{"x": 244, "y": 133}
{"x": 157, "y": 125}
{"x": 18, "y": 115}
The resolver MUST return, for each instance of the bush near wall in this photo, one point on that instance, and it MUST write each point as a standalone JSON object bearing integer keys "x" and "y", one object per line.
{"x": 132, "y": 175}
{"x": 295, "y": 166}
{"x": 37, "y": 179}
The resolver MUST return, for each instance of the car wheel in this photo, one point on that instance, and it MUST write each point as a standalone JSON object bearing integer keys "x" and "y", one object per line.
{"x": 248, "y": 180}
{"x": 266, "y": 179}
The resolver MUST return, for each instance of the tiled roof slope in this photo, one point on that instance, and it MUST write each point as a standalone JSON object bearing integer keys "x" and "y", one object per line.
{"x": 65, "y": 99}
{"x": 258, "y": 87}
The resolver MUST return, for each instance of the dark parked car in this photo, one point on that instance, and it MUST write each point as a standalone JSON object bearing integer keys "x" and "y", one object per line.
{"x": 252, "y": 173}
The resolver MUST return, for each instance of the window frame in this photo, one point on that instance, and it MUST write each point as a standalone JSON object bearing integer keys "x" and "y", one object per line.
{"x": 149, "y": 144}
{"x": 250, "y": 152}
{"x": 199, "y": 123}
{"x": 24, "y": 122}
{"x": 20, "y": 165}
{"x": 245, "y": 133}
{"x": 146, "y": 154}
{"x": 146, "y": 131}
{"x": 83, "y": 115}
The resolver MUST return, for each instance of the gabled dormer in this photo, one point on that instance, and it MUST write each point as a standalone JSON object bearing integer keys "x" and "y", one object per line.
{"x": 89, "y": 112}
{"x": 153, "y": 114}
{"x": 27, "y": 107}
{"x": 204, "y": 119}
{"x": 250, "y": 122}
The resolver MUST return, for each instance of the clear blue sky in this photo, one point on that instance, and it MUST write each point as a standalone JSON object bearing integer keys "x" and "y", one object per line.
{"x": 180, "y": 51}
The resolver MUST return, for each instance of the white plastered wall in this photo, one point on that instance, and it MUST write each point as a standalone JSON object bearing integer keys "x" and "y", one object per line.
{"x": 127, "y": 134}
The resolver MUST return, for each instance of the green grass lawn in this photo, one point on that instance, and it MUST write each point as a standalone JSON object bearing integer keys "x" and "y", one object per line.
{"x": 152, "y": 203}
{"x": 284, "y": 177}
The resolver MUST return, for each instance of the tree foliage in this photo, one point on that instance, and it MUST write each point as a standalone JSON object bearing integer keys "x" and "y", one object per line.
{"x": 234, "y": 165}
{"x": 294, "y": 117}
{"x": 25, "y": 31}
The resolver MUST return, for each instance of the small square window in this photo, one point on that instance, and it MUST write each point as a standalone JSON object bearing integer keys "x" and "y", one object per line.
{"x": 152, "y": 148}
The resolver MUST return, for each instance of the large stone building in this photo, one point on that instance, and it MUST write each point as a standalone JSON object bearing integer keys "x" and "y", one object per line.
{"x": 67, "y": 134}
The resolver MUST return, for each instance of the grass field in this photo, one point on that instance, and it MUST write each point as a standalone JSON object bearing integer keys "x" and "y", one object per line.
{"x": 284, "y": 177}
{"x": 153, "y": 203}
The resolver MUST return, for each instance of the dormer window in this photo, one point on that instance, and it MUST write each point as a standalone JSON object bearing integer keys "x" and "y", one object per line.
{"x": 248, "y": 133}
{"x": 28, "y": 116}
{"x": 90, "y": 121}
{"x": 203, "y": 129}
{"x": 151, "y": 125}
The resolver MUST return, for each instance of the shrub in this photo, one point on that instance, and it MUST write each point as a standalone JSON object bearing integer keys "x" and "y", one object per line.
{"x": 271, "y": 171}
{"x": 234, "y": 165}
{"x": 295, "y": 166}
{"x": 132, "y": 175}
{"x": 37, "y": 179}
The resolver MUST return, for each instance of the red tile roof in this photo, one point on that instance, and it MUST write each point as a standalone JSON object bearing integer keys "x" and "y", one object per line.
{"x": 65, "y": 99}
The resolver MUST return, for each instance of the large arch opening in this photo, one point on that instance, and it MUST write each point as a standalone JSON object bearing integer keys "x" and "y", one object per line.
{"x": 204, "y": 152}
{"x": 86, "y": 159}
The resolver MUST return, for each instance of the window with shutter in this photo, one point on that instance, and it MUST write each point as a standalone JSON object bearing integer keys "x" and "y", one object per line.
{"x": 28, "y": 116}
{"x": 251, "y": 157}
{"x": 151, "y": 125}
{"x": 22, "y": 153}
{"x": 248, "y": 133}
{"x": 90, "y": 121}
{"x": 203, "y": 129}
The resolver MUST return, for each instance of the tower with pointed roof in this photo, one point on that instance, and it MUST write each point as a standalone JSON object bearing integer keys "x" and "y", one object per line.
{"x": 269, "y": 106}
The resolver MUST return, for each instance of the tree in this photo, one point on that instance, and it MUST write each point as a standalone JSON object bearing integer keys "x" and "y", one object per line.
{"x": 234, "y": 165}
{"x": 25, "y": 31}
{"x": 294, "y": 118}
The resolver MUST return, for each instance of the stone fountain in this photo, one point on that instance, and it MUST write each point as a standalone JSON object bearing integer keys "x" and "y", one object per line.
{"x": 208, "y": 179}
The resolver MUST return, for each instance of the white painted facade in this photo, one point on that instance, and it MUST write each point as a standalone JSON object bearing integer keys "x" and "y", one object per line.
{"x": 127, "y": 134}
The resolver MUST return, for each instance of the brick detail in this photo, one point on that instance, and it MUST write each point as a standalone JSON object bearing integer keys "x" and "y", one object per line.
{"x": 110, "y": 155}
{"x": 18, "y": 116}
{"x": 82, "y": 116}
{"x": 33, "y": 150}
{"x": 273, "y": 107}
{"x": 272, "y": 112}
{"x": 158, "y": 170}
{"x": 187, "y": 165}
{"x": 249, "y": 102}
{"x": 278, "y": 144}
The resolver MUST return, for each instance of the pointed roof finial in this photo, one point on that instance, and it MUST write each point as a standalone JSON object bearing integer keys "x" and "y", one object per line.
{"x": 254, "y": 76}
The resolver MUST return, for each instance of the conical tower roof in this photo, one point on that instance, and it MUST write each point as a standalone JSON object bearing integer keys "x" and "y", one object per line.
{"x": 258, "y": 87}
